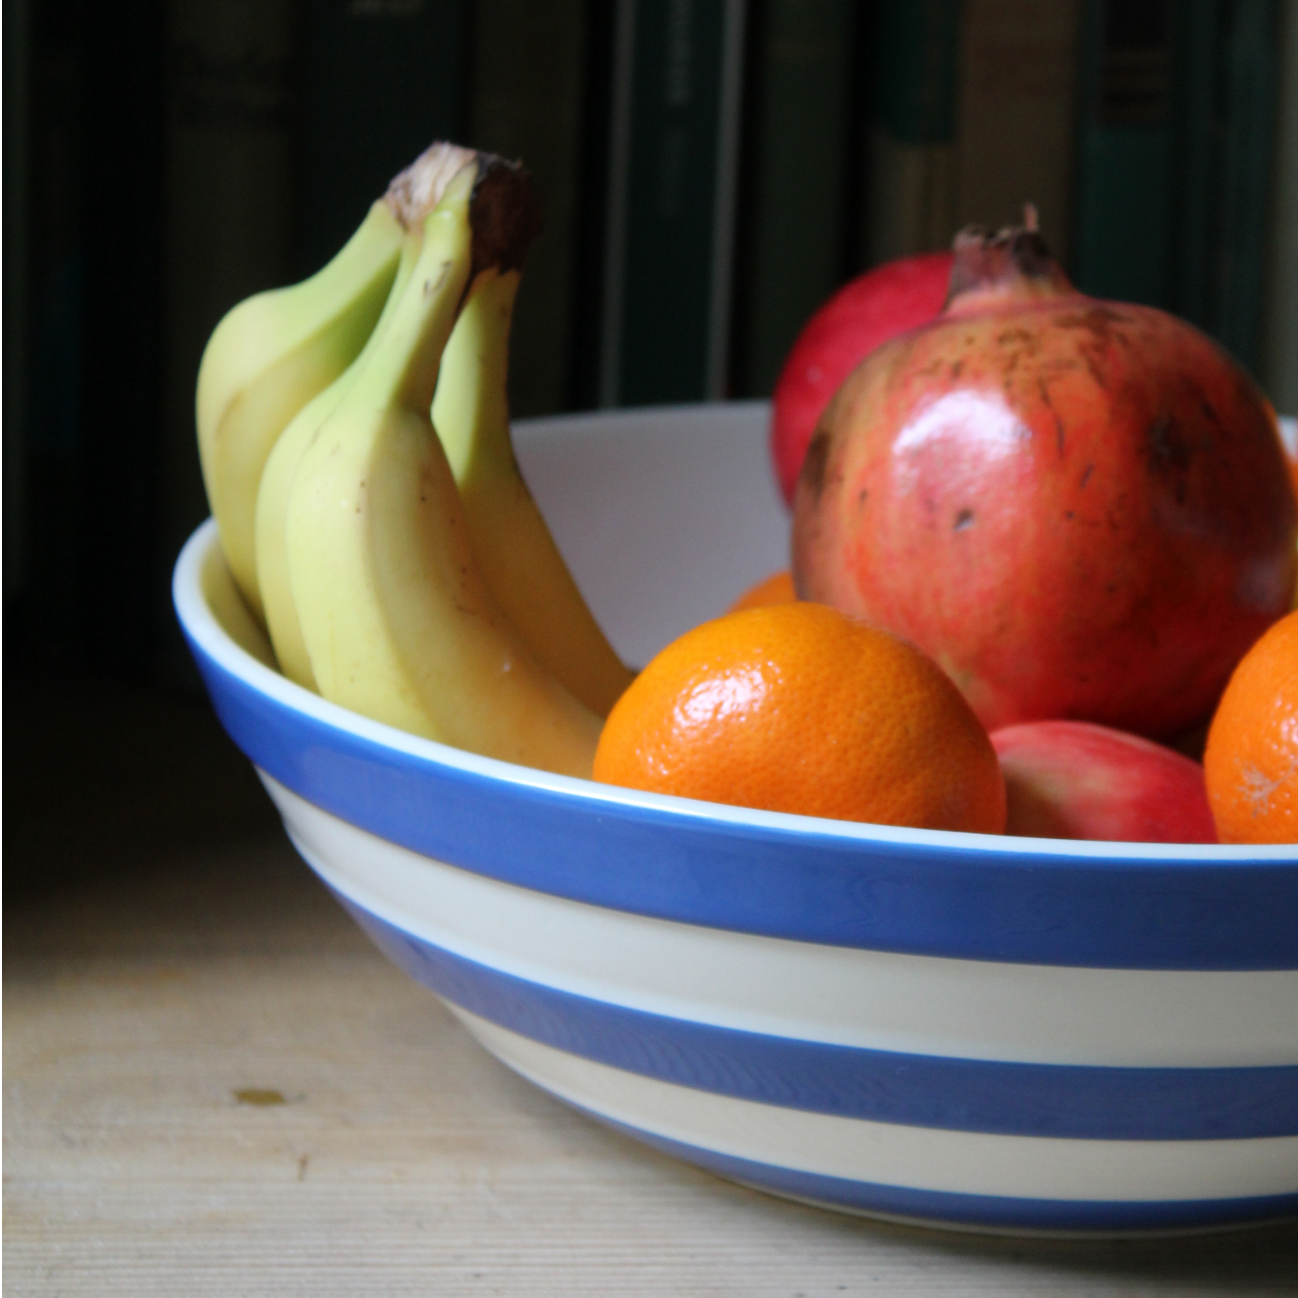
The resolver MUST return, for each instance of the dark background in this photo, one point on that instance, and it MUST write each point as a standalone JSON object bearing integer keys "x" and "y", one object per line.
{"x": 111, "y": 752}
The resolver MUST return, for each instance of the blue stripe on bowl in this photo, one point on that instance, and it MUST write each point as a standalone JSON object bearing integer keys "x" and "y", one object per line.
{"x": 842, "y": 887}
{"x": 940, "y": 1207}
{"x": 912, "y": 1090}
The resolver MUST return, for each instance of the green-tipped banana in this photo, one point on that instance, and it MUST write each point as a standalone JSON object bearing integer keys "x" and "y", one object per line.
{"x": 398, "y": 622}
{"x": 267, "y": 358}
{"x": 516, "y": 553}
{"x": 277, "y": 481}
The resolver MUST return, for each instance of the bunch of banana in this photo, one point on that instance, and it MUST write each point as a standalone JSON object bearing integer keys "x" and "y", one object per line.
{"x": 269, "y": 356}
{"x": 273, "y": 352}
{"x": 451, "y": 616}
{"x": 277, "y": 481}
{"x": 424, "y": 592}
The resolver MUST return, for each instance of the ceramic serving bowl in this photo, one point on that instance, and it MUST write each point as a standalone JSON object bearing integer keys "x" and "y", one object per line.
{"x": 994, "y": 1033}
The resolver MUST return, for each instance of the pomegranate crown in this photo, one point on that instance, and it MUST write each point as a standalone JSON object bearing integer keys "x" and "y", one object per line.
{"x": 1013, "y": 262}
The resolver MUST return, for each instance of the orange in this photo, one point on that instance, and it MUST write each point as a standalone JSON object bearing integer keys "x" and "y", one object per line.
{"x": 797, "y": 707}
{"x": 1251, "y": 762}
{"x": 775, "y": 589}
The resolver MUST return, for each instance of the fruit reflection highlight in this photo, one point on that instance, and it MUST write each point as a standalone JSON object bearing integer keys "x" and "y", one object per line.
{"x": 862, "y": 315}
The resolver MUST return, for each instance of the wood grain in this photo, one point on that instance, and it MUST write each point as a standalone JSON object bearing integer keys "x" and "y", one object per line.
{"x": 213, "y": 1085}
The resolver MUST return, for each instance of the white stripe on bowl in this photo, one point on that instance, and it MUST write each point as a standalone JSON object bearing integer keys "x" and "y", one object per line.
{"x": 918, "y": 1158}
{"x": 965, "y": 1009}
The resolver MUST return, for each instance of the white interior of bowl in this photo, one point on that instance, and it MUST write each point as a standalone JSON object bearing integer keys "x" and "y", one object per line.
{"x": 687, "y": 544}
{"x": 1289, "y": 435}
{"x": 665, "y": 516}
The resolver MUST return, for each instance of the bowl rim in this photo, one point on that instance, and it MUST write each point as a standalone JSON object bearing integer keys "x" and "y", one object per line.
{"x": 205, "y": 630}
{"x": 931, "y": 893}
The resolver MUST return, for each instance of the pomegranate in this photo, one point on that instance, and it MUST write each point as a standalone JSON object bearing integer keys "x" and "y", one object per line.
{"x": 874, "y": 307}
{"x": 1072, "y": 779}
{"x": 1079, "y": 508}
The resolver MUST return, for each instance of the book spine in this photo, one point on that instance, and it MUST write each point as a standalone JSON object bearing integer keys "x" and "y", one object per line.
{"x": 797, "y": 191}
{"x": 526, "y": 101}
{"x": 592, "y": 217}
{"x": 380, "y": 81}
{"x": 84, "y": 158}
{"x": 1249, "y": 77}
{"x": 228, "y": 216}
{"x": 1126, "y": 191}
{"x": 725, "y": 200}
{"x": 910, "y": 169}
{"x": 1016, "y": 114}
{"x": 1279, "y": 351}
{"x": 123, "y": 598}
{"x": 44, "y": 338}
{"x": 18, "y": 261}
{"x": 1197, "y": 160}
{"x": 673, "y": 172}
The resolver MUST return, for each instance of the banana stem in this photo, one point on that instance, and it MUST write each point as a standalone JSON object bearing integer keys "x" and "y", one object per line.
{"x": 403, "y": 371}
{"x": 411, "y": 249}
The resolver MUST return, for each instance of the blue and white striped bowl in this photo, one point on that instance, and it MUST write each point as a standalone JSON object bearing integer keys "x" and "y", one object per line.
{"x": 1005, "y": 1034}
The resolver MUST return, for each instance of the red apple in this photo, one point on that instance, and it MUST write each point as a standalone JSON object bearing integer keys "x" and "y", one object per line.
{"x": 874, "y": 307}
{"x": 1071, "y": 779}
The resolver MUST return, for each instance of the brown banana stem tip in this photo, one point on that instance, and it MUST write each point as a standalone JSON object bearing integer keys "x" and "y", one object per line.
{"x": 505, "y": 213}
{"x": 504, "y": 208}
{"x": 418, "y": 189}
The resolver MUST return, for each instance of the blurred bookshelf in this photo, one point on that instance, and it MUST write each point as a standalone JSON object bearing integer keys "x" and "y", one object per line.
{"x": 711, "y": 170}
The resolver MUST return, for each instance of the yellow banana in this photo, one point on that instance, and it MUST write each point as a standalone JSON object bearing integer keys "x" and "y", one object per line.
{"x": 516, "y": 554}
{"x": 267, "y": 358}
{"x": 277, "y": 481}
{"x": 413, "y": 194}
{"x": 398, "y": 622}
